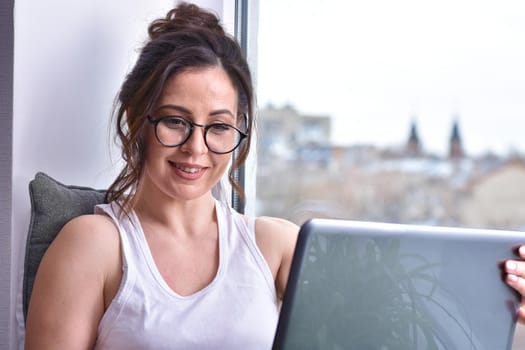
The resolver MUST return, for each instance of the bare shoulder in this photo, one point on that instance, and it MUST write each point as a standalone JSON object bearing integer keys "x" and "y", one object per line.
{"x": 276, "y": 236}
{"x": 94, "y": 229}
{"x": 89, "y": 222}
{"x": 84, "y": 237}
{"x": 276, "y": 239}
{"x": 68, "y": 297}
{"x": 267, "y": 225}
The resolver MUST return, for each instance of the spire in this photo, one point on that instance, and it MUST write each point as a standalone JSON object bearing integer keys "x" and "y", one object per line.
{"x": 413, "y": 146}
{"x": 455, "y": 146}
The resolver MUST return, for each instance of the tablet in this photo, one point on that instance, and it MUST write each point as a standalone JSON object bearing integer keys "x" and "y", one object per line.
{"x": 362, "y": 285}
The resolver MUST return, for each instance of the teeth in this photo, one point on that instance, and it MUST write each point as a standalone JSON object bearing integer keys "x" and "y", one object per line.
{"x": 188, "y": 170}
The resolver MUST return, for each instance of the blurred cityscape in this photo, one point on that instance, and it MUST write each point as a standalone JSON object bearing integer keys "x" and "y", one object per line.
{"x": 301, "y": 174}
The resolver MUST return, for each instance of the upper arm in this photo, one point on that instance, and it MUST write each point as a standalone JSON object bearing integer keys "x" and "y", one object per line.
{"x": 276, "y": 239}
{"x": 67, "y": 301}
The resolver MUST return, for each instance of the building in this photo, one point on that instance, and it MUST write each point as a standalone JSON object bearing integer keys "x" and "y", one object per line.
{"x": 287, "y": 134}
{"x": 455, "y": 144}
{"x": 413, "y": 146}
{"x": 496, "y": 199}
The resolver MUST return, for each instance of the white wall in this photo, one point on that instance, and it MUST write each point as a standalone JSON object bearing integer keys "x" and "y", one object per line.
{"x": 70, "y": 58}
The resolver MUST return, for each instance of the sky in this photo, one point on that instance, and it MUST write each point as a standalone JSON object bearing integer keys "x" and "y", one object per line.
{"x": 376, "y": 65}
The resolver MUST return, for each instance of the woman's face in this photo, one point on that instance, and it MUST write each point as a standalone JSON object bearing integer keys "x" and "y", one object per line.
{"x": 189, "y": 171}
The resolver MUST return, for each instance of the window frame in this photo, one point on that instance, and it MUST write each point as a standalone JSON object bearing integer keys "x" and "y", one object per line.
{"x": 245, "y": 31}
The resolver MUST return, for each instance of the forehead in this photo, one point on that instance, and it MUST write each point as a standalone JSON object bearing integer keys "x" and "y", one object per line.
{"x": 200, "y": 88}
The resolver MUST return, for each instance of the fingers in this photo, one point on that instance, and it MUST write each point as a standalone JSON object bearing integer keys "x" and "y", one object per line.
{"x": 515, "y": 278}
{"x": 521, "y": 251}
{"x": 517, "y": 282}
{"x": 516, "y": 268}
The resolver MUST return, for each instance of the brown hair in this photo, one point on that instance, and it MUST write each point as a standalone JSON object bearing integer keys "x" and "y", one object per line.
{"x": 188, "y": 37}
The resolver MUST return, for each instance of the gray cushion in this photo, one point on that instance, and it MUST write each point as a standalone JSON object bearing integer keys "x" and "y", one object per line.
{"x": 53, "y": 204}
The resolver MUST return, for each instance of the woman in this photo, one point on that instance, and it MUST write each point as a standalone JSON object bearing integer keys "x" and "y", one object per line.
{"x": 165, "y": 265}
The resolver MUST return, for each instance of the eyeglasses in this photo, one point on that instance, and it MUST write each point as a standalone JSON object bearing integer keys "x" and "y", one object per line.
{"x": 220, "y": 138}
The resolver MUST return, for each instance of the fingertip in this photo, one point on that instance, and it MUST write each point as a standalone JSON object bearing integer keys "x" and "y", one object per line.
{"x": 512, "y": 279}
{"x": 521, "y": 251}
{"x": 511, "y": 265}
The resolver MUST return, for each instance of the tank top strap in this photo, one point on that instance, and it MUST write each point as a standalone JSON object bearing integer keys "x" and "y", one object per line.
{"x": 244, "y": 228}
{"x": 250, "y": 223}
{"x": 114, "y": 213}
{"x": 245, "y": 224}
{"x": 129, "y": 258}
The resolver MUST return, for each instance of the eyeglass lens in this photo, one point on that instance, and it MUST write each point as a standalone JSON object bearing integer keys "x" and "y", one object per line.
{"x": 219, "y": 138}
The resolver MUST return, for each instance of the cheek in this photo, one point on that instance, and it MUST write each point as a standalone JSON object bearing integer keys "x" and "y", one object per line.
{"x": 148, "y": 149}
{"x": 148, "y": 138}
{"x": 152, "y": 147}
{"x": 153, "y": 155}
{"x": 223, "y": 163}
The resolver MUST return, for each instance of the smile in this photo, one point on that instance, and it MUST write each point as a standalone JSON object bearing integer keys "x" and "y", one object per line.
{"x": 187, "y": 169}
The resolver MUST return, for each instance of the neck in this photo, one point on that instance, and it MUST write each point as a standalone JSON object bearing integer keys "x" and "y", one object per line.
{"x": 187, "y": 216}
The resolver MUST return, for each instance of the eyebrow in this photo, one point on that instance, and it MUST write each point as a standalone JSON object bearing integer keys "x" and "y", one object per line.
{"x": 187, "y": 111}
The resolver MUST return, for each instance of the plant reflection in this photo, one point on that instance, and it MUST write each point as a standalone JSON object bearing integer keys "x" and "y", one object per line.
{"x": 405, "y": 306}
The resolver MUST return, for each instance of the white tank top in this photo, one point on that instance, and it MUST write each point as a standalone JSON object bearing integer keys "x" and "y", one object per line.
{"x": 237, "y": 310}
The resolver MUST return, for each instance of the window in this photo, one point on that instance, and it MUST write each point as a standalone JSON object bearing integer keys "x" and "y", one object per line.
{"x": 398, "y": 111}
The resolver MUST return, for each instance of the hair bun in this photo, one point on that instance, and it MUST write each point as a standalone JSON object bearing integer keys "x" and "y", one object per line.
{"x": 185, "y": 16}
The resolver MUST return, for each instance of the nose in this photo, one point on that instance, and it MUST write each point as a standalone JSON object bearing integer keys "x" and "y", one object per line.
{"x": 195, "y": 144}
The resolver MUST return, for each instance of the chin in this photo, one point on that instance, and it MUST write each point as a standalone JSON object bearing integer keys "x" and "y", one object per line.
{"x": 189, "y": 194}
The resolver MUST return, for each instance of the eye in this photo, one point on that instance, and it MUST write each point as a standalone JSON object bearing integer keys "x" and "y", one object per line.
{"x": 177, "y": 123}
{"x": 220, "y": 128}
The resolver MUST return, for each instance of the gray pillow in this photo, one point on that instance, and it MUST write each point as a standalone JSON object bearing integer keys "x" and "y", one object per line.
{"x": 53, "y": 204}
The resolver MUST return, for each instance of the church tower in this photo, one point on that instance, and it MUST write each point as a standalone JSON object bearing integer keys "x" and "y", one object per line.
{"x": 455, "y": 147}
{"x": 413, "y": 146}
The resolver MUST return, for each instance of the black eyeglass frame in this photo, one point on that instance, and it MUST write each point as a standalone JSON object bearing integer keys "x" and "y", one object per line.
{"x": 206, "y": 127}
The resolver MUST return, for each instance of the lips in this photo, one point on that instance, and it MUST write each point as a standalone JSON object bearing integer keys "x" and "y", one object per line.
{"x": 188, "y": 171}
